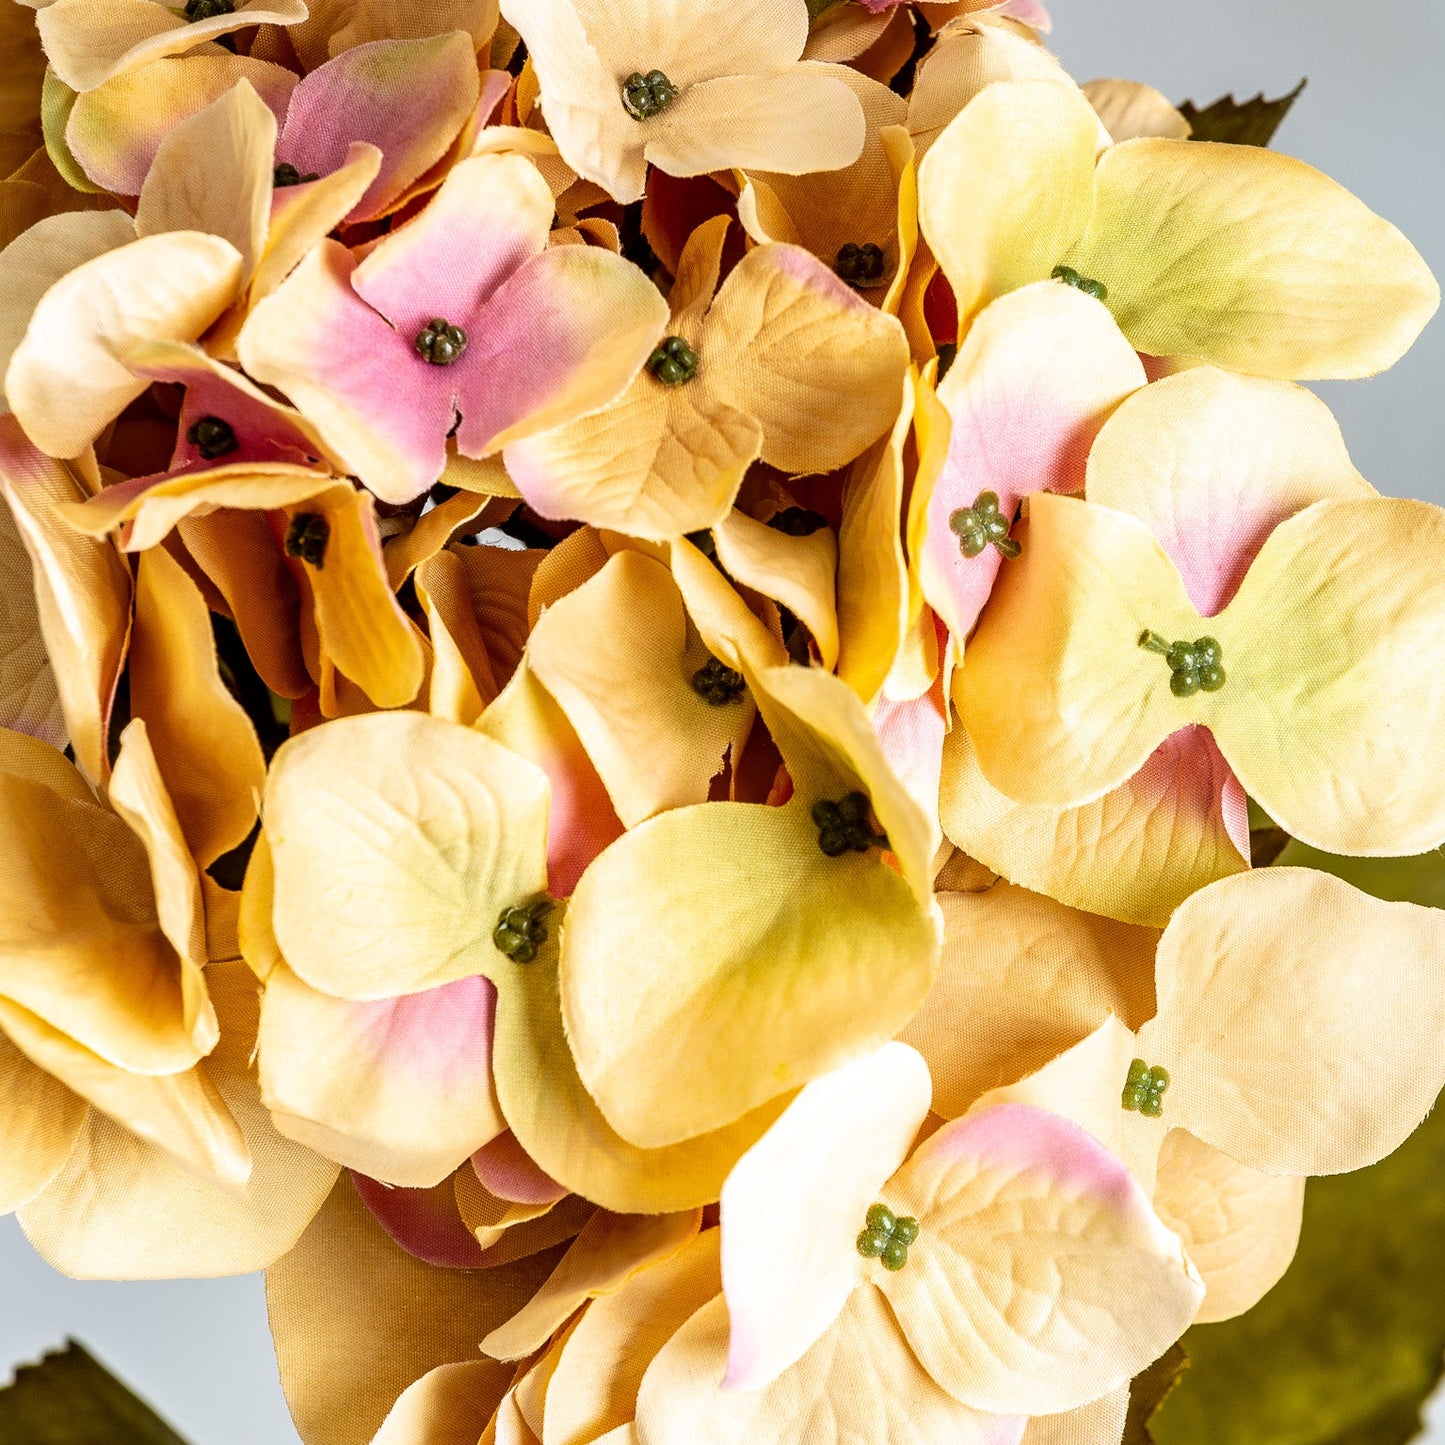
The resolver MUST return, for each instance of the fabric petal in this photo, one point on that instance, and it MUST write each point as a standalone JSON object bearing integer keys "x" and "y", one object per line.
{"x": 427, "y": 1223}
{"x": 1130, "y": 110}
{"x": 449, "y": 1405}
{"x": 29, "y": 695}
{"x": 43, "y": 1119}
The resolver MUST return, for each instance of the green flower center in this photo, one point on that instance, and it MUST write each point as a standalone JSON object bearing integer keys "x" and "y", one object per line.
{"x": 982, "y": 525}
{"x": 861, "y": 266}
{"x": 287, "y": 175}
{"x": 306, "y": 538}
{"x": 674, "y": 363}
{"x": 1089, "y": 287}
{"x": 718, "y": 684}
{"x": 521, "y": 931}
{"x": 846, "y": 826}
{"x": 212, "y": 437}
{"x": 886, "y": 1237}
{"x": 1144, "y": 1089}
{"x": 797, "y": 521}
{"x": 440, "y": 343}
{"x": 1193, "y": 666}
{"x": 208, "y": 9}
{"x": 644, "y": 96}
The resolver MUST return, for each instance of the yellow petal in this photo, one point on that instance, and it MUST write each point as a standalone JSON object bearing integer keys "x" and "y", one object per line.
{"x": 1008, "y": 188}
{"x": 859, "y": 1382}
{"x": 20, "y": 87}
{"x": 1099, "y": 1423}
{"x": 1252, "y": 260}
{"x": 610, "y": 1251}
{"x": 564, "y": 1132}
{"x": 461, "y": 676}
{"x": 400, "y": 1089}
{"x": 1239, "y": 1227}
{"x": 82, "y": 594}
{"x": 594, "y": 1389}
{"x": 398, "y": 839}
{"x": 1061, "y": 702}
{"x": 357, "y": 1320}
{"x": 432, "y": 531}
{"x": 617, "y": 658}
{"x": 1130, "y": 110}
{"x": 1040, "y": 1278}
{"x": 793, "y": 1207}
{"x": 1334, "y": 709}
{"x": 1023, "y": 978}
{"x": 734, "y": 634}
{"x": 120, "y": 1209}
{"x": 449, "y": 1405}
{"x": 204, "y": 742}
{"x": 29, "y": 698}
{"x": 43, "y": 1119}
{"x": 254, "y": 930}
{"x": 1288, "y": 1046}
{"x": 158, "y": 288}
{"x": 784, "y": 340}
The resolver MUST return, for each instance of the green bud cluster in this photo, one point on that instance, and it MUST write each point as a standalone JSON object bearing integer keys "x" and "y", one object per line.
{"x": 521, "y": 931}
{"x": 441, "y": 343}
{"x": 886, "y": 1237}
{"x": 1144, "y": 1088}
{"x": 1070, "y": 277}
{"x": 287, "y": 175}
{"x": 861, "y": 266}
{"x": 212, "y": 437}
{"x": 674, "y": 363}
{"x": 844, "y": 826}
{"x": 1193, "y": 666}
{"x": 718, "y": 684}
{"x": 981, "y": 526}
{"x": 208, "y": 9}
{"x": 306, "y": 538}
{"x": 644, "y": 96}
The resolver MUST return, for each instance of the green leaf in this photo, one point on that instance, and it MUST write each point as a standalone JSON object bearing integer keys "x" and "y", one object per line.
{"x": 817, "y": 7}
{"x": 69, "y": 1398}
{"x": 1148, "y": 1391}
{"x": 1240, "y": 122}
{"x": 1397, "y": 880}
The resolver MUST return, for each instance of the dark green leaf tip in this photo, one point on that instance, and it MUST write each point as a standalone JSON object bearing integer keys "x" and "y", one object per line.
{"x": 1240, "y": 122}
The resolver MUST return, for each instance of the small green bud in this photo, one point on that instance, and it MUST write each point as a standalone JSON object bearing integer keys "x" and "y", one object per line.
{"x": 861, "y": 266}
{"x": 306, "y": 538}
{"x": 674, "y": 363}
{"x": 644, "y": 96}
{"x": 718, "y": 684}
{"x": 844, "y": 826}
{"x": 1193, "y": 666}
{"x": 287, "y": 175}
{"x": 895, "y": 1255}
{"x": 521, "y": 931}
{"x": 1089, "y": 287}
{"x": 440, "y": 343}
{"x": 208, "y": 9}
{"x": 1144, "y": 1089}
{"x": 882, "y": 1218}
{"x": 797, "y": 522}
{"x": 906, "y": 1229}
{"x": 212, "y": 437}
{"x": 872, "y": 1243}
{"x": 981, "y": 526}
{"x": 886, "y": 1237}
{"x": 1211, "y": 679}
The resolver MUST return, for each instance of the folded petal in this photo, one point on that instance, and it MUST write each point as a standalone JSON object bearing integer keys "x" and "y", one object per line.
{"x": 1040, "y": 1278}
{"x": 1134, "y": 854}
{"x": 793, "y": 1207}
{"x": 398, "y": 840}
{"x": 1038, "y": 374}
{"x": 1334, "y": 709}
{"x": 506, "y": 1170}
{"x": 1008, "y": 188}
{"x": 1212, "y": 463}
{"x": 1331, "y": 1060}
{"x": 860, "y": 1381}
{"x": 1252, "y": 260}
{"x": 449, "y": 1405}
{"x": 29, "y": 697}
{"x": 1130, "y": 110}
{"x": 43, "y": 1119}
{"x": 609, "y": 1252}
{"x": 1100, "y": 1423}
{"x": 400, "y": 1089}
{"x": 159, "y": 288}
{"x": 784, "y": 340}
{"x": 1239, "y": 1227}
{"x": 121, "y": 1209}
{"x": 427, "y": 1223}
{"x": 357, "y": 1320}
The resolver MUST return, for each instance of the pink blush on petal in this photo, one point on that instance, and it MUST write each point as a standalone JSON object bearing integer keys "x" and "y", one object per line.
{"x": 426, "y": 1223}
{"x": 912, "y": 735}
{"x": 1188, "y": 773}
{"x": 507, "y": 1171}
{"x": 442, "y": 1035}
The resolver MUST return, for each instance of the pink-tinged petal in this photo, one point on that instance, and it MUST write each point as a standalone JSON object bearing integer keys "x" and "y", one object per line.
{"x": 400, "y": 1088}
{"x": 1038, "y": 375}
{"x": 115, "y": 132}
{"x": 380, "y": 407}
{"x": 1212, "y": 463}
{"x": 1027, "y": 12}
{"x": 794, "y": 1204}
{"x": 424, "y": 1222}
{"x": 409, "y": 98}
{"x": 565, "y": 336}
{"x": 508, "y": 1171}
{"x": 491, "y": 217}
{"x": 912, "y": 735}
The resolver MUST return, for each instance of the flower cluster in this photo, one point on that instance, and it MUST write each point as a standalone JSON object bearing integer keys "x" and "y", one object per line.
{"x": 639, "y": 642}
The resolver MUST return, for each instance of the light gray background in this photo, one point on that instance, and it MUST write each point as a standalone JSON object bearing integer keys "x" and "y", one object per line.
{"x": 1371, "y": 118}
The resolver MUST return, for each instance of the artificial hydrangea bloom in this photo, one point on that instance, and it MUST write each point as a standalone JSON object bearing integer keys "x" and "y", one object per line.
{"x": 688, "y": 88}
{"x": 389, "y": 355}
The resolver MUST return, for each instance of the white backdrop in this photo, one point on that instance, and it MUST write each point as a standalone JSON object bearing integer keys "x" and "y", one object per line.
{"x": 1371, "y": 118}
